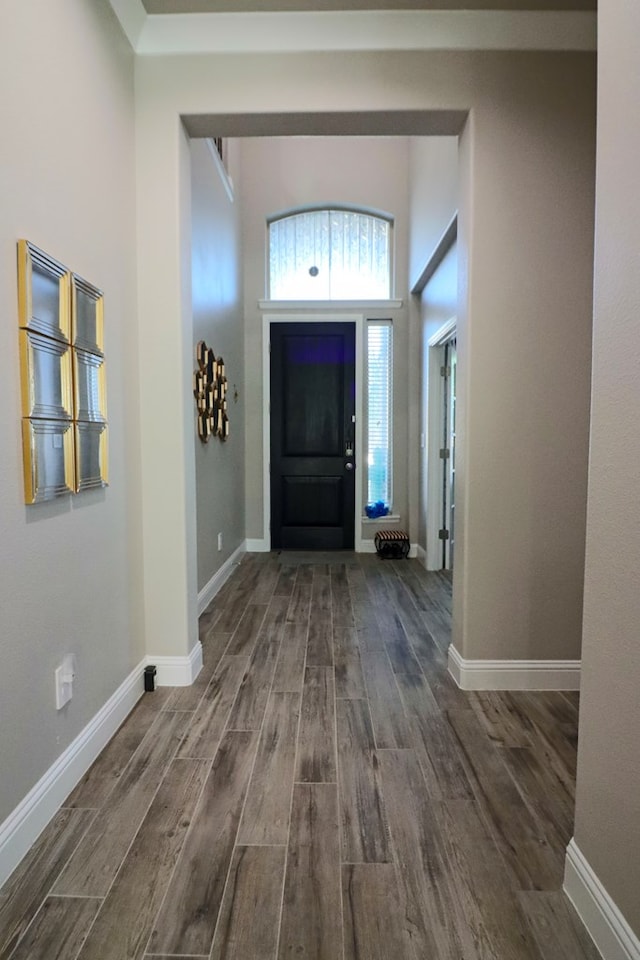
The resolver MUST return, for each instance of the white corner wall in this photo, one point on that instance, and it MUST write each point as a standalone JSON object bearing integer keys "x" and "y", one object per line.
{"x": 607, "y": 826}
{"x": 71, "y": 568}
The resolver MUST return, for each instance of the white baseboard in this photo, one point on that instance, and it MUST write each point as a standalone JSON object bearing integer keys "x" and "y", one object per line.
{"x": 369, "y": 546}
{"x": 366, "y": 546}
{"x": 421, "y": 555}
{"x": 220, "y": 577}
{"x": 177, "y": 671}
{"x": 22, "y": 827}
{"x": 607, "y": 927}
{"x": 513, "y": 674}
{"x": 257, "y": 546}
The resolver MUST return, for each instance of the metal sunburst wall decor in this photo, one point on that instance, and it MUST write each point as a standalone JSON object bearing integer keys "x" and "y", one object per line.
{"x": 210, "y": 391}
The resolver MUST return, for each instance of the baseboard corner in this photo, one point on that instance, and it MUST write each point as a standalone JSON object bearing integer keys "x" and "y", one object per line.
{"x": 177, "y": 671}
{"x": 603, "y": 920}
{"x": 513, "y": 674}
{"x": 257, "y": 545}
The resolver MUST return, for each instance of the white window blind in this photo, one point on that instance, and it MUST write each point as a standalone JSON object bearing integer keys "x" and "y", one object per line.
{"x": 329, "y": 255}
{"x": 379, "y": 381}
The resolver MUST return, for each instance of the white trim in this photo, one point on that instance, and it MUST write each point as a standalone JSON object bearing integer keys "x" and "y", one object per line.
{"x": 606, "y": 925}
{"x": 433, "y": 416}
{"x": 219, "y": 578}
{"x": 380, "y": 521}
{"x": 331, "y": 30}
{"x": 23, "y": 827}
{"x": 369, "y": 546}
{"x": 222, "y": 171}
{"x": 421, "y": 555}
{"x": 177, "y": 671}
{"x": 267, "y": 319}
{"x": 258, "y": 545}
{"x": 513, "y": 674}
{"x": 446, "y": 332}
{"x": 299, "y": 305}
{"x": 441, "y": 249}
{"x": 366, "y": 546}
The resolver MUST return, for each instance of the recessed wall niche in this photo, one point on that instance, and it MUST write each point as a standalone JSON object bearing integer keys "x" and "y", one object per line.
{"x": 64, "y": 418}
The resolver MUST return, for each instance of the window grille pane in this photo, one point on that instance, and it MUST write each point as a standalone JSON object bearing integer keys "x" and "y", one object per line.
{"x": 329, "y": 255}
{"x": 379, "y": 359}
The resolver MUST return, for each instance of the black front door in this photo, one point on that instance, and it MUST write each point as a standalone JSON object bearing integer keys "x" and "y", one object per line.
{"x": 312, "y": 436}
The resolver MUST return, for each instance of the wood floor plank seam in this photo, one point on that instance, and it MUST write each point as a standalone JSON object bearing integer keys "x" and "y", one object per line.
{"x": 295, "y": 764}
{"x": 53, "y": 834}
{"x": 209, "y": 761}
{"x": 22, "y": 952}
{"x": 195, "y": 823}
{"x": 172, "y": 810}
{"x": 78, "y": 789}
{"x": 46, "y": 896}
{"x": 337, "y": 767}
{"x": 235, "y": 841}
{"x": 246, "y": 795}
{"x": 124, "y": 858}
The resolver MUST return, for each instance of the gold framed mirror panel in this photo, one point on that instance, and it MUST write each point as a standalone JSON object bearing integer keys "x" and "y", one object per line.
{"x": 90, "y": 388}
{"x": 48, "y": 453}
{"x": 87, "y": 316}
{"x": 45, "y": 376}
{"x": 43, "y": 293}
{"x": 91, "y": 456}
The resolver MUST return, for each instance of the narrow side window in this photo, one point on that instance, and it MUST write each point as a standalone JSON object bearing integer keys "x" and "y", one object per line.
{"x": 379, "y": 412}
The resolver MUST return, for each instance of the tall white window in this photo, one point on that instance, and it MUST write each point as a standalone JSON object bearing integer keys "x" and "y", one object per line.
{"x": 379, "y": 412}
{"x": 330, "y": 255}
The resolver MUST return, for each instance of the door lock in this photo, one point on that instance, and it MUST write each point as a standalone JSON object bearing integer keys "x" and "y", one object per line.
{"x": 348, "y": 465}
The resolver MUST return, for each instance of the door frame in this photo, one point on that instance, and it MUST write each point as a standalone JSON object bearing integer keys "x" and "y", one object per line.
{"x": 298, "y": 317}
{"x": 435, "y": 411}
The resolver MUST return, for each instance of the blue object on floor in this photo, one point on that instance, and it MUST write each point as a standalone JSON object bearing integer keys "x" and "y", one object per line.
{"x": 375, "y": 510}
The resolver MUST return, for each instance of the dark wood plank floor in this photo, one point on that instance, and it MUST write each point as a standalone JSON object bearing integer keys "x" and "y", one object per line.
{"x": 323, "y": 791}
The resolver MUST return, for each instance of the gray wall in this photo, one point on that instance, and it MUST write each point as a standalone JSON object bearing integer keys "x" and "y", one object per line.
{"x": 433, "y": 196}
{"x": 216, "y": 296}
{"x": 524, "y": 352}
{"x": 70, "y": 569}
{"x": 607, "y": 828}
{"x": 280, "y": 173}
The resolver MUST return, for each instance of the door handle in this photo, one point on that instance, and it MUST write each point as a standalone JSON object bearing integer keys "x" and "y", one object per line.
{"x": 348, "y": 465}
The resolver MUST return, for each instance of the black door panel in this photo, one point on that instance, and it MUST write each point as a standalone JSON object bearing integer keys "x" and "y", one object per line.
{"x": 312, "y": 407}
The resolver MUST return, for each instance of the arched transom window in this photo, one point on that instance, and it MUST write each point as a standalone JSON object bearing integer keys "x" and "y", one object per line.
{"x": 330, "y": 254}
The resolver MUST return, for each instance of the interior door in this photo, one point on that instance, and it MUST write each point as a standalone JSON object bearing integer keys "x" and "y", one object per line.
{"x": 448, "y": 453}
{"x": 313, "y": 436}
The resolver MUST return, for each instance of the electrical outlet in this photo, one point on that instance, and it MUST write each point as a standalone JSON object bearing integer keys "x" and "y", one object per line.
{"x": 64, "y": 677}
{"x": 219, "y": 541}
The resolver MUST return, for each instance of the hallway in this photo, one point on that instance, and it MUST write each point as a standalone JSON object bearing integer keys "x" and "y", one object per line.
{"x": 324, "y": 790}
